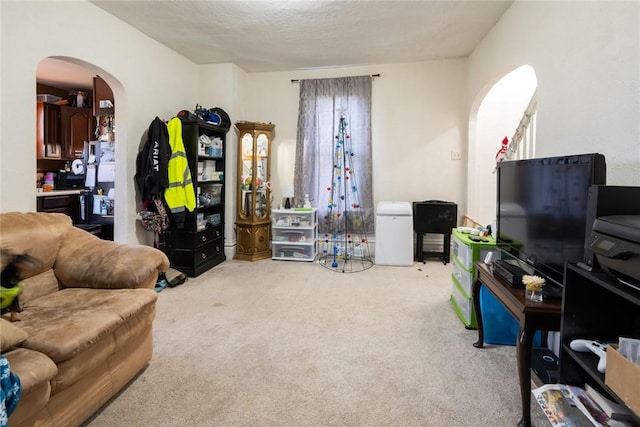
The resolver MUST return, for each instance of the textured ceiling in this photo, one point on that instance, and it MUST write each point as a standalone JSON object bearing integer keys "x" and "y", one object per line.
{"x": 261, "y": 36}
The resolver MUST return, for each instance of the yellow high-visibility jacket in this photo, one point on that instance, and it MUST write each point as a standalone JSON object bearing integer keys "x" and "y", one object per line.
{"x": 180, "y": 195}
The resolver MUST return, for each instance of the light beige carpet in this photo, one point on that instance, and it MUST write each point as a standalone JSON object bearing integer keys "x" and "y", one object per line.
{"x": 276, "y": 343}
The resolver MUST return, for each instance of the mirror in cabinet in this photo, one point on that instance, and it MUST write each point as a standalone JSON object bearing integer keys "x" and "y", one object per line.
{"x": 253, "y": 220}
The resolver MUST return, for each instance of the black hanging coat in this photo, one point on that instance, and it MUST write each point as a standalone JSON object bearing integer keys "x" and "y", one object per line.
{"x": 152, "y": 162}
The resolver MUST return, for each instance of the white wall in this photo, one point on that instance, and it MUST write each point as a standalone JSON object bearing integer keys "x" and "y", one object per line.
{"x": 224, "y": 86}
{"x": 499, "y": 115}
{"x": 586, "y": 56}
{"x": 148, "y": 79}
{"x": 418, "y": 118}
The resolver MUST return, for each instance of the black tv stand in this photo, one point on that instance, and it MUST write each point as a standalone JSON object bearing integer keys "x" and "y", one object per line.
{"x": 595, "y": 307}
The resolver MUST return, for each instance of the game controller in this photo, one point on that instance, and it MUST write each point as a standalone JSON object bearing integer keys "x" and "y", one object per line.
{"x": 469, "y": 230}
{"x": 595, "y": 347}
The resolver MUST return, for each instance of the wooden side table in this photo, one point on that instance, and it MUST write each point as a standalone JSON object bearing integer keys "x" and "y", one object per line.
{"x": 531, "y": 316}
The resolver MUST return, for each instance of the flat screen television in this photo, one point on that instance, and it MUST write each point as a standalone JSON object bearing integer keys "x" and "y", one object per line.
{"x": 542, "y": 209}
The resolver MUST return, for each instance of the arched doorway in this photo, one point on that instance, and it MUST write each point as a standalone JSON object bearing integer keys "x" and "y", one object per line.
{"x": 496, "y": 113}
{"x": 76, "y": 144}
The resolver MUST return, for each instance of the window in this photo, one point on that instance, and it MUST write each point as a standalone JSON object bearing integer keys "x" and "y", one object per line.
{"x": 323, "y": 102}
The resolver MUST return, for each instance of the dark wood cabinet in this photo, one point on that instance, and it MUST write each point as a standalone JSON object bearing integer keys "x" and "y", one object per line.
{"x": 199, "y": 246}
{"x": 48, "y": 131}
{"x": 61, "y": 131}
{"x": 76, "y": 129}
{"x": 595, "y": 307}
{"x": 68, "y": 204}
{"x": 102, "y": 92}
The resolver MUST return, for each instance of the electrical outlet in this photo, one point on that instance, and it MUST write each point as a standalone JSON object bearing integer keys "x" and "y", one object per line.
{"x": 456, "y": 155}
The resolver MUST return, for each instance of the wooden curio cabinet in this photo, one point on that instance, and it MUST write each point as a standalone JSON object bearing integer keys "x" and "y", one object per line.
{"x": 253, "y": 221}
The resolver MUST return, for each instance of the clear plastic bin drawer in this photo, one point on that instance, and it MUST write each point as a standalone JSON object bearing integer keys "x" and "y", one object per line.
{"x": 464, "y": 277}
{"x": 291, "y": 251}
{"x": 463, "y": 253}
{"x": 464, "y": 304}
{"x": 292, "y": 235}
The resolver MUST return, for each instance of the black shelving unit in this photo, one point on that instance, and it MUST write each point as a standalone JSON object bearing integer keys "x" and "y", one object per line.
{"x": 599, "y": 308}
{"x": 195, "y": 248}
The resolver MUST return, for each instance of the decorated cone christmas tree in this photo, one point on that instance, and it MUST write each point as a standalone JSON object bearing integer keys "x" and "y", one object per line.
{"x": 344, "y": 246}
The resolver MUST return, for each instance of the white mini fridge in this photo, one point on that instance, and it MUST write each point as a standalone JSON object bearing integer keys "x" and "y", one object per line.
{"x": 394, "y": 234}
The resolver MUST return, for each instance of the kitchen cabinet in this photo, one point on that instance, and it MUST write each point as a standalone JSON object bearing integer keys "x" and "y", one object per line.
{"x": 48, "y": 131}
{"x": 102, "y": 92}
{"x": 76, "y": 125}
{"x": 68, "y": 204}
{"x": 61, "y": 131}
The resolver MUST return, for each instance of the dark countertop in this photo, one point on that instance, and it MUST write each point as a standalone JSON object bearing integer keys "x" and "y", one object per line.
{"x": 60, "y": 192}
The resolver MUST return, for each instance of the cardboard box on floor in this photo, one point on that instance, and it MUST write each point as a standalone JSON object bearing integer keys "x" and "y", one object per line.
{"x": 623, "y": 377}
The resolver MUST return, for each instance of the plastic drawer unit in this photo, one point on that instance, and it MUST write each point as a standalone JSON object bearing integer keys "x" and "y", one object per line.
{"x": 294, "y": 234}
{"x": 465, "y": 253}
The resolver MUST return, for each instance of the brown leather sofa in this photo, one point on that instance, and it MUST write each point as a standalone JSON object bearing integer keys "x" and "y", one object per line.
{"x": 87, "y": 313}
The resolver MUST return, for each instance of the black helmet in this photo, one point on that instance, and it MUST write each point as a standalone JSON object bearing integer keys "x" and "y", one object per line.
{"x": 219, "y": 117}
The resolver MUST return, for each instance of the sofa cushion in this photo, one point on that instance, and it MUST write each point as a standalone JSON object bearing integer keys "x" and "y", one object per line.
{"x": 36, "y": 372}
{"x": 33, "y": 368}
{"x": 39, "y": 285}
{"x": 64, "y": 323}
{"x": 72, "y": 370}
{"x": 39, "y": 235}
{"x": 10, "y": 335}
{"x": 84, "y": 261}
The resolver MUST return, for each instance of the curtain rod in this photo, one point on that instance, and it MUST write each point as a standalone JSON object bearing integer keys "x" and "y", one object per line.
{"x": 298, "y": 81}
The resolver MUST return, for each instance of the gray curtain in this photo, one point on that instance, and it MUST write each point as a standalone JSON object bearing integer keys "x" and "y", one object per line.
{"x": 322, "y": 103}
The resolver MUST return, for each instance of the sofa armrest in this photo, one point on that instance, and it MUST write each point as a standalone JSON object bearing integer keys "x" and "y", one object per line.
{"x": 85, "y": 261}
